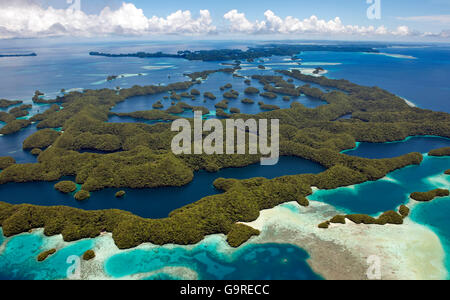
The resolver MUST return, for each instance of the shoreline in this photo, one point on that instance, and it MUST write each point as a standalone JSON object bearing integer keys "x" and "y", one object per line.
{"x": 341, "y": 251}
{"x": 409, "y": 251}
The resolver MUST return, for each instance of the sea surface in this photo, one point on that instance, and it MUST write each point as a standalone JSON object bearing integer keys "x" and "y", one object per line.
{"x": 420, "y": 75}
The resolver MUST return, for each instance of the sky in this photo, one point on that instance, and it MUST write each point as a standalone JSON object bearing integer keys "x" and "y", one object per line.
{"x": 415, "y": 20}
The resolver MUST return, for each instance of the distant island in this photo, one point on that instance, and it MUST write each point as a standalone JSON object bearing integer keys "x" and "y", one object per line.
{"x": 17, "y": 55}
{"x": 237, "y": 54}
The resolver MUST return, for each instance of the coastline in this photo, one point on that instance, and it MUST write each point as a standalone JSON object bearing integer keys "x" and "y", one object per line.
{"x": 341, "y": 251}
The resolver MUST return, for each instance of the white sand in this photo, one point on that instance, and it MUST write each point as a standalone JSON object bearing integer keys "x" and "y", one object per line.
{"x": 408, "y": 251}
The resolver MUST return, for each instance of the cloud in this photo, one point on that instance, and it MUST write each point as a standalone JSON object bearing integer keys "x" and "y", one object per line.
{"x": 273, "y": 24}
{"x": 433, "y": 19}
{"x": 27, "y": 19}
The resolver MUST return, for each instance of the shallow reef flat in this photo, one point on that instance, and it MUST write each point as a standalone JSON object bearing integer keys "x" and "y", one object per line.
{"x": 408, "y": 251}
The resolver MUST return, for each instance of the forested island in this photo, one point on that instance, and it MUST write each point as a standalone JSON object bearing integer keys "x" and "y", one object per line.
{"x": 18, "y": 55}
{"x": 237, "y": 54}
{"x": 140, "y": 156}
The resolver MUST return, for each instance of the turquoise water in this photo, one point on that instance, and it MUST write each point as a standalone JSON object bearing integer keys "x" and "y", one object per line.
{"x": 434, "y": 214}
{"x": 18, "y": 260}
{"x": 2, "y": 238}
{"x": 388, "y": 193}
{"x": 251, "y": 262}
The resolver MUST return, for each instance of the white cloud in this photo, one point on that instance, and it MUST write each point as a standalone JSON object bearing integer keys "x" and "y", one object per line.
{"x": 273, "y": 24}
{"x": 433, "y": 19}
{"x": 31, "y": 20}
{"x": 26, "y": 18}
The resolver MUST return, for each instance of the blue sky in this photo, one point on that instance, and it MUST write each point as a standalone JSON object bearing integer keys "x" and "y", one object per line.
{"x": 334, "y": 19}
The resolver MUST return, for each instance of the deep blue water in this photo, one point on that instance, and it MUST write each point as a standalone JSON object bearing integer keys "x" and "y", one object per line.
{"x": 152, "y": 203}
{"x": 422, "y": 144}
{"x": 424, "y": 80}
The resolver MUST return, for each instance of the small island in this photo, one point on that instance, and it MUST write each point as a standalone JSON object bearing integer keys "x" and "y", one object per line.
{"x": 430, "y": 195}
{"x": 4, "y": 103}
{"x": 440, "y": 152}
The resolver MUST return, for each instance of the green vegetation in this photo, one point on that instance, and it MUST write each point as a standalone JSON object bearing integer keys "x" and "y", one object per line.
{"x": 195, "y": 92}
{"x": 231, "y": 94}
{"x": 66, "y": 187}
{"x": 286, "y": 98}
{"x": 247, "y": 101}
{"x": 20, "y": 111}
{"x": 430, "y": 195}
{"x": 226, "y": 86}
{"x": 447, "y": 172}
{"x": 88, "y": 255}
{"x": 36, "y": 151}
{"x": 324, "y": 225}
{"x": 209, "y": 95}
{"x": 120, "y": 194}
{"x": 7, "y": 103}
{"x": 14, "y": 126}
{"x": 239, "y": 234}
{"x": 389, "y": 217}
{"x": 302, "y": 201}
{"x": 440, "y": 152}
{"x": 44, "y": 255}
{"x": 251, "y": 90}
{"x": 250, "y": 55}
{"x": 404, "y": 211}
{"x": 269, "y": 95}
{"x": 139, "y": 156}
{"x": 222, "y": 104}
{"x": 6, "y": 161}
{"x": 157, "y": 105}
{"x": 41, "y": 139}
{"x": 235, "y": 110}
{"x": 82, "y": 195}
{"x": 264, "y": 106}
{"x": 221, "y": 113}
{"x": 339, "y": 219}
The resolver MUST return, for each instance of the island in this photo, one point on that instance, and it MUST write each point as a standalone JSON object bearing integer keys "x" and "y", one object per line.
{"x": 430, "y": 195}
{"x": 18, "y": 55}
{"x": 138, "y": 148}
{"x": 250, "y": 54}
